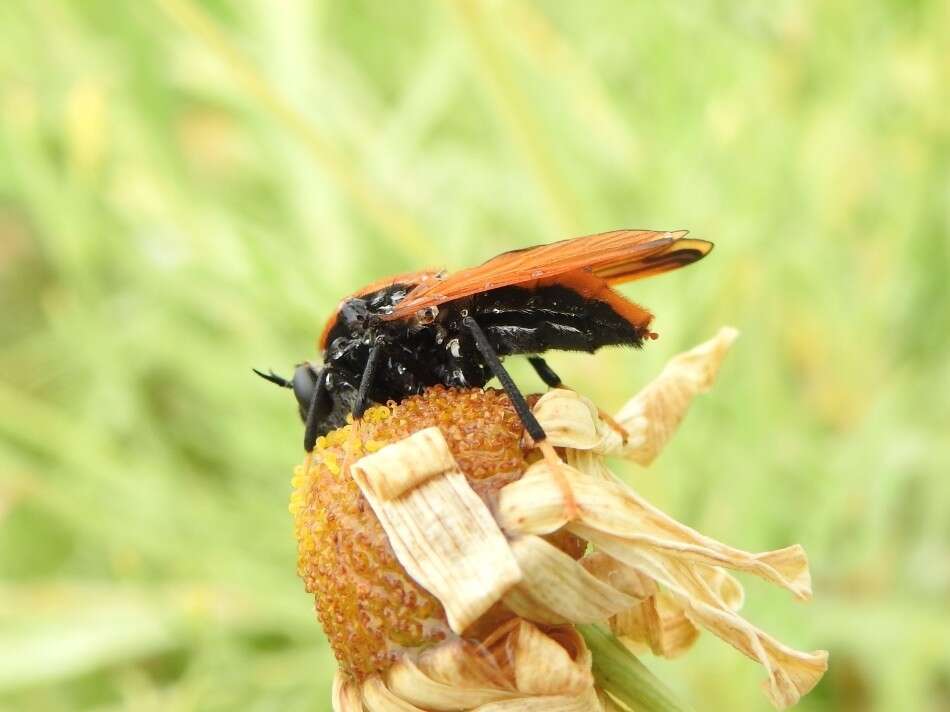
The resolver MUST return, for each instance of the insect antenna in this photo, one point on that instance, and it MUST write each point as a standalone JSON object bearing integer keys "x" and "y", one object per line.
{"x": 274, "y": 378}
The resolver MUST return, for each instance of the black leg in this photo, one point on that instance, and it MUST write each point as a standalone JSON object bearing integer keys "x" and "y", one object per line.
{"x": 545, "y": 372}
{"x": 274, "y": 378}
{"x": 530, "y": 423}
{"x": 366, "y": 382}
{"x": 319, "y": 405}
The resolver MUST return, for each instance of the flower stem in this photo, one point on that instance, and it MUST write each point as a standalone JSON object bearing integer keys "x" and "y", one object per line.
{"x": 618, "y": 671}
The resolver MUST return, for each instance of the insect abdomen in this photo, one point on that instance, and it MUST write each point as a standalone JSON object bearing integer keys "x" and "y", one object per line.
{"x": 521, "y": 321}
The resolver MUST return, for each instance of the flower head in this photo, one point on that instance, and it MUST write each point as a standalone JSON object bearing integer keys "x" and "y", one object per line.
{"x": 450, "y": 574}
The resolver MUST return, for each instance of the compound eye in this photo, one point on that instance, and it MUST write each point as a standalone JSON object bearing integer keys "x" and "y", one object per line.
{"x": 304, "y": 383}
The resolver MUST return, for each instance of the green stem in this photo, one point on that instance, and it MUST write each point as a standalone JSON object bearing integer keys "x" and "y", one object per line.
{"x": 618, "y": 671}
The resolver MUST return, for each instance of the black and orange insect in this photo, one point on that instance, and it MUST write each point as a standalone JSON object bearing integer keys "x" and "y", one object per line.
{"x": 402, "y": 334}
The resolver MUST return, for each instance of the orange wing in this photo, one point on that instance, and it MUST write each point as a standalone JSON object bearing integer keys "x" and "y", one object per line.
{"x": 614, "y": 257}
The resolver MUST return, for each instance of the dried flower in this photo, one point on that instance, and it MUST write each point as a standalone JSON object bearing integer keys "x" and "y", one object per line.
{"x": 449, "y": 574}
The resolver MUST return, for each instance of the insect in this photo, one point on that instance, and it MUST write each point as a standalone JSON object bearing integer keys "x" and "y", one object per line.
{"x": 400, "y": 335}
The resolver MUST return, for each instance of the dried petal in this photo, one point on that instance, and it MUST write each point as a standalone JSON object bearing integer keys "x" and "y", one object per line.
{"x": 726, "y": 587}
{"x": 557, "y": 589}
{"x": 585, "y": 702}
{"x": 653, "y": 415}
{"x": 346, "y": 694}
{"x": 390, "y": 474}
{"x": 441, "y": 531}
{"x": 612, "y": 509}
{"x": 517, "y": 663}
{"x": 571, "y": 420}
{"x": 460, "y": 663}
{"x": 650, "y": 418}
{"x": 543, "y": 667}
{"x": 791, "y": 673}
{"x": 530, "y": 506}
{"x": 379, "y": 698}
{"x": 682, "y": 561}
{"x": 409, "y": 682}
{"x": 622, "y": 578}
{"x": 657, "y": 620}
{"x": 659, "y": 623}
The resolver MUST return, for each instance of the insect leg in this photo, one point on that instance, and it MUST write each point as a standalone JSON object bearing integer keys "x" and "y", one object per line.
{"x": 319, "y": 405}
{"x": 520, "y": 405}
{"x": 366, "y": 382}
{"x": 274, "y": 378}
{"x": 494, "y": 364}
{"x": 545, "y": 372}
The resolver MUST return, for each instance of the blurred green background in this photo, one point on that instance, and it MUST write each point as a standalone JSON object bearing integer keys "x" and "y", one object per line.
{"x": 187, "y": 188}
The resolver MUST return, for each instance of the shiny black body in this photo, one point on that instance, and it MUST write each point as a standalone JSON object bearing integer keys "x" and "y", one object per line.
{"x": 437, "y": 346}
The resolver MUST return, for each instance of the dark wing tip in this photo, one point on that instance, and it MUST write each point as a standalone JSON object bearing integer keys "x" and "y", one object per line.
{"x": 687, "y": 250}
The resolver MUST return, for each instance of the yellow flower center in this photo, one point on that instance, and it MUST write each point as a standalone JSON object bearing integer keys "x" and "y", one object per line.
{"x": 371, "y": 610}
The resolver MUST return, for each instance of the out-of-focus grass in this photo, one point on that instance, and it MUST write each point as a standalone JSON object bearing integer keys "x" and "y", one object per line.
{"x": 185, "y": 191}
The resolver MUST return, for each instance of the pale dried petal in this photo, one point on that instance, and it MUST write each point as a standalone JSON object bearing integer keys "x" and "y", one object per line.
{"x": 346, "y": 694}
{"x": 409, "y": 682}
{"x": 557, "y": 589}
{"x": 590, "y": 462}
{"x": 726, "y": 587}
{"x": 622, "y": 578}
{"x": 610, "y": 507}
{"x": 379, "y": 698}
{"x": 650, "y": 418}
{"x": 461, "y": 663}
{"x": 585, "y": 702}
{"x": 653, "y": 415}
{"x": 529, "y": 505}
{"x": 659, "y": 623}
{"x": 391, "y": 474}
{"x": 440, "y": 531}
{"x": 656, "y": 621}
{"x": 791, "y": 673}
{"x": 571, "y": 420}
{"x": 543, "y": 667}
{"x": 684, "y": 562}
{"x": 521, "y": 662}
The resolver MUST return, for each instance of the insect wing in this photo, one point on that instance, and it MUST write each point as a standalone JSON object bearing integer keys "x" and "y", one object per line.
{"x": 678, "y": 253}
{"x": 617, "y": 256}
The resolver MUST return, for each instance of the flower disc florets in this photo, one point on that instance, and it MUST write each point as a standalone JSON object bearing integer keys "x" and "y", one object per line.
{"x": 371, "y": 610}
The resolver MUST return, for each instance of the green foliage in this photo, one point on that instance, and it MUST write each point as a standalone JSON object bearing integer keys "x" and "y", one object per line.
{"x": 186, "y": 190}
{"x": 619, "y": 673}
